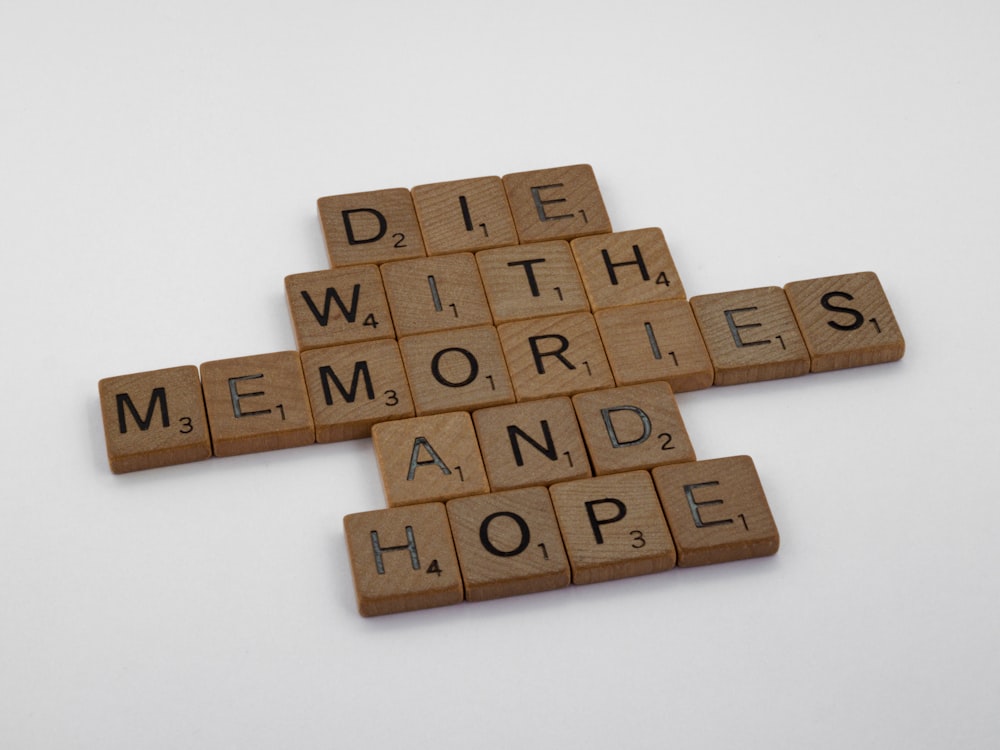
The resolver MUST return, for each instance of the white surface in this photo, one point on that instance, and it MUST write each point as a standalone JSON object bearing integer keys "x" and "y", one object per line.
{"x": 158, "y": 180}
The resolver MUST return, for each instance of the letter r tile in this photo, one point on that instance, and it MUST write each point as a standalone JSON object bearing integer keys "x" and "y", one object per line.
{"x": 717, "y": 510}
{"x": 154, "y": 419}
{"x": 402, "y": 559}
{"x": 371, "y": 227}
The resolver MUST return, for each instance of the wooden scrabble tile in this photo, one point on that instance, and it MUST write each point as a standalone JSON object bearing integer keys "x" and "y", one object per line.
{"x": 429, "y": 458}
{"x": 508, "y": 544}
{"x": 656, "y": 341}
{"x": 751, "y": 335}
{"x": 717, "y": 510}
{"x": 531, "y": 443}
{"x": 632, "y": 427}
{"x": 846, "y": 321}
{"x": 154, "y": 418}
{"x": 456, "y": 370}
{"x": 257, "y": 403}
{"x": 612, "y": 527}
{"x": 626, "y": 268}
{"x": 338, "y": 306}
{"x": 355, "y": 386}
{"x": 370, "y": 227}
{"x": 402, "y": 559}
{"x": 556, "y": 204}
{"x": 554, "y": 356}
{"x": 435, "y": 294}
{"x": 462, "y": 215}
{"x": 531, "y": 281}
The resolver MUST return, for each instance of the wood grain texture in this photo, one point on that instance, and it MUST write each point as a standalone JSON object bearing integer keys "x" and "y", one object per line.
{"x": 355, "y": 386}
{"x": 531, "y": 443}
{"x": 338, "y": 306}
{"x": 613, "y": 527}
{"x": 456, "y": 370}
{"x": 656, "y": 341}
{"x": 376, "y": 226}
{"x": 627, "y": 268}
{"x": 460, "y": 215}
{"x": 154, "y": 418}
{"x": 555, "y": 356}
{"x": 435, "y": 294}
{"x": 717, "y": 510}
{"x": 423, "y": 459}
{"x": 508, "y": 544}
{"x": 846, "y": 321}
{"x": 558, "y": 203}
{"x": 257, "y": 403}
{"x": 531, "y": 281}
{"x": 402, "y": 559}
{"x": 751, "y": 335}
{"x": 632, "y": 427}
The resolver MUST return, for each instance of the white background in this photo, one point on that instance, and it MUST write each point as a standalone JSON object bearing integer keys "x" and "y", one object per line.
{"x": 160, "y": 167}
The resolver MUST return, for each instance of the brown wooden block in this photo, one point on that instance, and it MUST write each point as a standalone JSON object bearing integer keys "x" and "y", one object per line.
{"x": 632, "y": 427}
{"x": 423, "y": 459}
{"x": 612, "y": 527}
{"x": 338, "y": 306}
{"x": 531, "y": 443}
{"x": 555, "y": 356}
{"x": 508, "y": 544}
{"x": 435, "y": 294}
{"x": 627, "y": 268}
{"x": 556, "y": 204}
{"x": 656, "y": 341}
{"x": 846, "y": 321}
{"x": 717, "y": 510}
{"x": 462, "y": 215}
{"x": 751, "y": 335}
{"x": 456, "y": 370}
{"x": 355, "y": 386}
{"x": 402, "y": 559}
{"x": 531, "y": 281}
{"x": 257, "y": 403}
{"x": 154, "y": 418}
{"x": 370, "y": 227}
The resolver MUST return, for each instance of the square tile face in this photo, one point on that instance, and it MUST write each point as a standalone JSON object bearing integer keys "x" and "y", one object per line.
{"x": 531, "y": 443}
{"x": 554, "y": 356}
{"x": 632, "y": 427}
{"x": 717, "y": 510}
{"x": 257, "y": 403}
{"x": 435, "y": 294}
{"x": 372, "y": 227}
{"x": 338, "y": 306}
{"x": 508, "y": 544}
{"x": 402, "y": 559}
{"x": 612, "y": 527}
{"x": 355, "y": 386}
{"x": 846, "y": 321}
{"x": 656, "y": 341}
{"x": 751, "y": 335}
{"x": 464, "y": 215}
{"x": 556, "y": 204}
{"x": 456, "y": 370}
{"x": 423, "y": 459}
{"x": 626, "y": 268}
{"x": 531, "y": 281}
{"x": 154, "y": 418}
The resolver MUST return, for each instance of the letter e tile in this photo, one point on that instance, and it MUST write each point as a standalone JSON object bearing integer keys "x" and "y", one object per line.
{"x": 556, "y": 204}
{"x": 402, "y": 559}
{"x": 717, "y": 510}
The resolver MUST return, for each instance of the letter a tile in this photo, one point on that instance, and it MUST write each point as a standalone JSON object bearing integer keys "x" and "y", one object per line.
{"x": 402, "y": 559}
{"x": 154, "y": 418}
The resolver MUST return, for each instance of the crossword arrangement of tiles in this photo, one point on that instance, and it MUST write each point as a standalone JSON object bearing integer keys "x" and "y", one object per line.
{"x": 514, "y": 361}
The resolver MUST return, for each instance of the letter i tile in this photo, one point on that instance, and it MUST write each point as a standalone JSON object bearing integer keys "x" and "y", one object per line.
{"x": 402, "y": 559}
